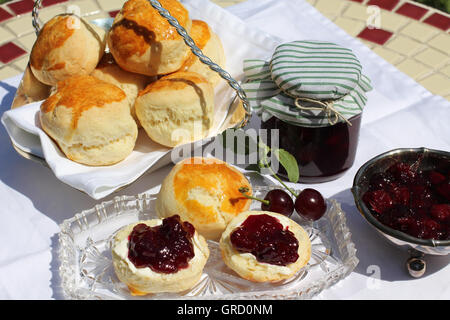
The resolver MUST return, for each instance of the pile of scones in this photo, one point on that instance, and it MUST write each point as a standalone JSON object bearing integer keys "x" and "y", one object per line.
{"x": 100, "y": 87}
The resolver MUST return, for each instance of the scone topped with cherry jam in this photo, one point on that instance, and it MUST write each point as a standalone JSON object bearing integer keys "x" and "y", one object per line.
{"x": 160, "y": 255}
{"x": 263, "y": 246}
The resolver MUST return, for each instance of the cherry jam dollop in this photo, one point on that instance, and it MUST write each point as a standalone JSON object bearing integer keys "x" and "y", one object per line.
{"x": 166, "y": 248}
{"x": 264, "y": 237}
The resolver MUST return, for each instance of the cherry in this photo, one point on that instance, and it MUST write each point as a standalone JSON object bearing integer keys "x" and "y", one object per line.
{"x": 381, "y": 180}
{"x": 310, "y": 204}
{"x": 436, "y": 177}
{"x": 441, "y": 212}
{"x": 276, "y": 200}
{"x": 279, "y": 201}
{"x": 401, "y": 172}
{"x": 378, "y": 200}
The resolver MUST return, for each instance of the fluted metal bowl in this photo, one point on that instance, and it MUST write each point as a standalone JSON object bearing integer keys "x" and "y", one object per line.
{"x": 431, "y": 158}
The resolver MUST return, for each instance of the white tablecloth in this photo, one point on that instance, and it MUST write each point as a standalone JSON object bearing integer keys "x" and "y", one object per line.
{"x": 400, "y": 113}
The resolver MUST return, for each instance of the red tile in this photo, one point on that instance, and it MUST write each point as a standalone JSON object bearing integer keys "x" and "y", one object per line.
{"x": 384, "y": 4}
{"x": 4, "y": 15}
{"x": 10, "y": 51}
{"x": 360, "y": 1}
{"x": 412, "y": 11}
{"x": 113, "y": 13}
{"x": 439, "y": 21}
{"x": 47, "y": 3}
{"x": 379, "y": 36}
{"x": 23, "y": 6}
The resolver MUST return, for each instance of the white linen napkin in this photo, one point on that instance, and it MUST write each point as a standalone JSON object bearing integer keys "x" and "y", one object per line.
{"x": 23, "y": 126}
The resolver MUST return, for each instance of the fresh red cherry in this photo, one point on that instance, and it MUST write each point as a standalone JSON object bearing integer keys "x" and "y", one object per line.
{"x": 276, "y": 200}
{"x": 310, "y": 204}
{"x": 279, "y": 202}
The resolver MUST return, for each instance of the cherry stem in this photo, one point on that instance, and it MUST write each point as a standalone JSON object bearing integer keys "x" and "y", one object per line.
{"x": 266, "y": 164}
{"x": 244, "y": 191}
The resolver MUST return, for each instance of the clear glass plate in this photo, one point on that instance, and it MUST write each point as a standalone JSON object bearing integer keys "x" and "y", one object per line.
{"x": 87, "y": 271}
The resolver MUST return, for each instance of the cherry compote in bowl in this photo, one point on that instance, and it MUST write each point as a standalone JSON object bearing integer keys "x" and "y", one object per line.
{"x": 416, "y": 182}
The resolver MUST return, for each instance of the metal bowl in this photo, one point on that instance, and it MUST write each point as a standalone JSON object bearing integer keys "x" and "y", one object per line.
{"x": 431, "y": 159}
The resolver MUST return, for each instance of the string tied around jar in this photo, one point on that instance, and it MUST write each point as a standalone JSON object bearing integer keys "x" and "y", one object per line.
{"x": 332, "y": 114}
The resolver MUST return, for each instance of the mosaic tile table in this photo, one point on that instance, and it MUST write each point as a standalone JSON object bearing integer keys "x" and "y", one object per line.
{"x": 413, "y": 37}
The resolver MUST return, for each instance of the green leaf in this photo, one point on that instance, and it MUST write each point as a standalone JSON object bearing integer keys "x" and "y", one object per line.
{"x": 289, "y": 163}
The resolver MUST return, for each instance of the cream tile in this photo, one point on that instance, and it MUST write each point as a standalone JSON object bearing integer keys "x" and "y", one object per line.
{"x": 331, "y": 9}
{"x": 100, "y": 15}
{"x": 21, "y": 25}
{"x": 356, "y": 11}
{"x": 448, "y": 97}
{"x": 5, "y": 35}
{"x": 313, "y": 2}
{"x": 413, "y": 68}
{"x": 22, "y": 62}
{"x": 437, "y": 84}
{"x": 110, "y": 5}
{"x": 28, "y": 41}
{"x": 446, "y": 70}
{"x": 404, "y": 45}
{"x": 8, "y": 72}
{"x": 388, "y": 55}
{"x": 441, "y": 42}
{"x": 47, "y": 13}
{"x": 83, "y": 7}
{"x": 392, "y": 21}
{"x": 419, "y": 31}
{"x": 351, "y": 26}
{"x": 432, "y": 58}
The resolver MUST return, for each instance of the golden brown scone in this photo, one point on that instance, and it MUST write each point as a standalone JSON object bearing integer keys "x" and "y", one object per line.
{"x": 205, "y": 192}
{"x": 90, "y": 121}
{"x": 211, "y": 46}
{"x": 142, "y": 41}
{"x": 66, "y": 46}
{"x": 143, "y": 281}
{"x": 30, "y": 90}
{"x": 246, "y": 265}
{"x": 131, "y": 83}
{"x": 176, "y": 109}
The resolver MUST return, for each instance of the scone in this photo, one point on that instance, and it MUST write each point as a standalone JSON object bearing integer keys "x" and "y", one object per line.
{"x": 66, "y": 46}
{"x": 176, "y": 109}
{"x": 205, "y": 192}
{"x": 263, "y": 246}
{"x": 159, "y": 256}
{"x": 211, "y": 46}
{"x": 131, "y": 83}
{"x": 142, "y": 41}
{"x": 90, "y": 121}
{"x": 30, "y": 90}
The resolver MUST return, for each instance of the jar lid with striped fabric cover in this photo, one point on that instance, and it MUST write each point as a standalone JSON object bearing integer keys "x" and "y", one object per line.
{"x": 309, "y": 83}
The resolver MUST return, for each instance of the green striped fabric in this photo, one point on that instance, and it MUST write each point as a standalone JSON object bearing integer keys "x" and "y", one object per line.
{"x": 272, "y": 87}
{"x": 316, "y": 70}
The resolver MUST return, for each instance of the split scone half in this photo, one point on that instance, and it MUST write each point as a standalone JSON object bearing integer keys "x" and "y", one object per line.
{"x": 134, "y": 243}
{"x": 272, "y": 261}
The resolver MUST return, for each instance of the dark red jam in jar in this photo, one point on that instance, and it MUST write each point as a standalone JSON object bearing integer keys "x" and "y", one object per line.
{"x": 166, "y": 248}
{"x": 264, "y": 237}
{"x": 323, "y": 153}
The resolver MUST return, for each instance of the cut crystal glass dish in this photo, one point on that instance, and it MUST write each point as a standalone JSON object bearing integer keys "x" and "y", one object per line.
{"x": 87, "y": 272}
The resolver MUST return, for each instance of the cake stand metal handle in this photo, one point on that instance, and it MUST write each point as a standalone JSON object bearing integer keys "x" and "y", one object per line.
{"x": 191, "y": 44}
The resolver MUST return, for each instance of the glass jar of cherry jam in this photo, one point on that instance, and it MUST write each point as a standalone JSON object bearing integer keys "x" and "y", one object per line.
{"x": 323, "y": 153}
